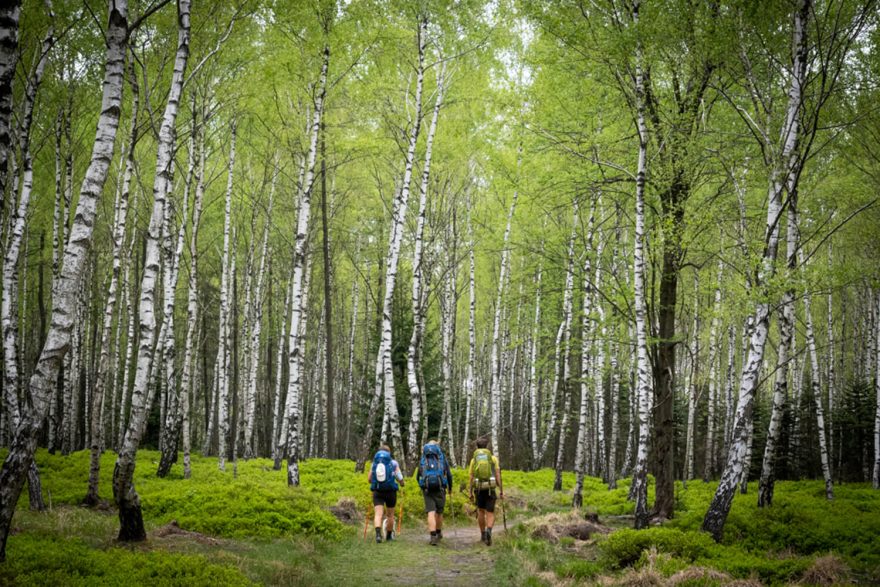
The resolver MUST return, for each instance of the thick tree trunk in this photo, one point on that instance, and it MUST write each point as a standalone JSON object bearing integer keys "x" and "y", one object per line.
{"x": 131, "y": 525}
{"x": 9, "y": 18}
{"x": 44, "y": 379}
{"x": 294, "y": 383}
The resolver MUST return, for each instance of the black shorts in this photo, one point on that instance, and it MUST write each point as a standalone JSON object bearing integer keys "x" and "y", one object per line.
{"x": 435, "y": 500}
{"x": 387, "y": 497}
{"x": 486, "y": 500}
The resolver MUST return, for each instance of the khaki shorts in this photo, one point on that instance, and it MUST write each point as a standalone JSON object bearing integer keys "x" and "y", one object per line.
{"x": 435, "y": 500}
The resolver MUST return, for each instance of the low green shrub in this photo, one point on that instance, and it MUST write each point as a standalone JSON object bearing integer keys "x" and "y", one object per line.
{"x": 625, "y": 547}
{"x": 38, "y": 560}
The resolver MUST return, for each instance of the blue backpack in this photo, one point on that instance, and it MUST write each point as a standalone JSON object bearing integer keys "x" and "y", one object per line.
{"x": 383, "y": 478}
{"x": 432, "y": 468}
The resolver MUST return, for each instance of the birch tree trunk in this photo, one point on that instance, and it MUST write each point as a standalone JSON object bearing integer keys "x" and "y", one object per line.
{"x": 187, "y": 389}
{"x": 876, "y": 359}
{"x": 580, "y": 460}
{"x": 413, "y": 353}
{"x": 10, "y": 13}
{"x": 105, "y": 368}
{"x": 693, "y": 385}
{"x": 816, "y": 389}
{"x": 533, "y": 363}
{"x": 469, "y": 385}
{"x": 384, "y": 371}
{"x": 640, "y": 477}
{"x": 716, "y": 515}
{"x": 131, "y": 524}
{"x": 20, "y": 456}
{"x": 225, "y": 311}
{"x": 714, "y": 357}
{"x": 294, "y": 384}
{"x": 275, "y": 435}
{"x": 780, "y": 387}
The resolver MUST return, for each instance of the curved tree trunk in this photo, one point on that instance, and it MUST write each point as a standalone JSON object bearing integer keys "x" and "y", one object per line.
{"x": 131, "y": 524}
{"x": 43, "y": 381}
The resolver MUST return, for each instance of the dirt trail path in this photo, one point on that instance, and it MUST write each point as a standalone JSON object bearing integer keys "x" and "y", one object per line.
{"x": 460, "y": 559}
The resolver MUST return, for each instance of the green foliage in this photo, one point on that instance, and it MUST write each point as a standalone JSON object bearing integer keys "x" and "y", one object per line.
{"x": 625, "y": 547}
{"x": 37, "y": 560}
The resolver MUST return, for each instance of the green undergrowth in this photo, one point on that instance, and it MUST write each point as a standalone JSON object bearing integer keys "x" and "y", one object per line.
{"x": 779, "y": 545}
{"x": 250, "y": 527}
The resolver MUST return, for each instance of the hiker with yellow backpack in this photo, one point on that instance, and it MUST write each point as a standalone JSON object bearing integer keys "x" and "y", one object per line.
{"x": 384, "y": 476}
{"x": 485, "y": 478}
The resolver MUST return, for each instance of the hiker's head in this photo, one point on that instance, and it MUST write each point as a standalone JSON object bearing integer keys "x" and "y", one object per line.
{"x": 385, "y": 447}
{"x": 433, "y": 441}
{"x": 482, "y": 442}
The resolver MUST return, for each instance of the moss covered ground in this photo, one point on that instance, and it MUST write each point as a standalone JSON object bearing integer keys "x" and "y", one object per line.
{"x": 252, "y": 529}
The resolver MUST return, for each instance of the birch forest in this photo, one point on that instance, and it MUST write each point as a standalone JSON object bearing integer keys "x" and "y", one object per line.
{"x": 633, "y": 243}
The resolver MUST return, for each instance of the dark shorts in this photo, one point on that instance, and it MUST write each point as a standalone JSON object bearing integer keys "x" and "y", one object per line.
{"x": 486, "y": 500}
{"x": 435, "y": 500}
{"x": 387, "y": 498}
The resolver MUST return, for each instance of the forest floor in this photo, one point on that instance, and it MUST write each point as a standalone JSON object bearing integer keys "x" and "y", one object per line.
{"x": 218, "y": 528}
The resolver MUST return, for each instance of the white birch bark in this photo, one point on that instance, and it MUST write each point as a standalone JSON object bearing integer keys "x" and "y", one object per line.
{"x": 599, "y": 370}
{"x": 187, "y": 389}
{"x": 414, "y": 351}
{"x": 816, "y": 389}
{"x": 294, "y": 384}
{"x": 225, "y": 316}
{"x": 783, "y": 353}
{"x": 384, "y": 372}
{"x": 495, "y": 376}
{"x": 580, "y": 458}
{"x": 640, "y": 477}
{"x": 10, "y": 13}
{"x": 350, "y": 384}
{"x": 533, "y": 363}
{"x": 714, "y": 357}
{"x": 20, "y": 456}
{"x": 127, "y": 499}
{"x": 470, "y": 382}
{"x": 275, "y": 434}
{"x": 876, "y": 360}
{"x": 789, "y": 138}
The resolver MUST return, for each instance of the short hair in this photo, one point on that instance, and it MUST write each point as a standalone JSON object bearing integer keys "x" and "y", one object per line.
{"x": 433, "y": 441}
{"x": 482, "y": 442}
{"x": 384, "y": 447}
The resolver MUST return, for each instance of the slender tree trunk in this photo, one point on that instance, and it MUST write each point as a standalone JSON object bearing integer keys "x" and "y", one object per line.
{"x": 413, "y": 353}
{"x": 693, "y": 385}
{"x": 640, "y": 478}
{"x": 384, "y": 370}
{"x": 780, "y": 387}
{"x": 815, "y": 387}
{"x": 876, "y": 359}
{"x": 294, "y": 384}
{"x": 131, "y": 524}
{"x": 105, "y": 368}
{"x": 790, "y": 133}
{"x": 580, "y": 458}
{"x": 275, "y": 435}
{"x": 470, "y": 383}
{"x": 225, "y": 313}
{"x": 714, "y": 357}
{"x": 20, "y": 456}
{"x": 533, "y": 364}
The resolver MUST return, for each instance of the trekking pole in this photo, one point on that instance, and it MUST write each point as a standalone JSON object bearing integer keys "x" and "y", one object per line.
{"x": 366, "y": 522}
{"x": 503, "y": 513}
{"x": 400, "y": 513}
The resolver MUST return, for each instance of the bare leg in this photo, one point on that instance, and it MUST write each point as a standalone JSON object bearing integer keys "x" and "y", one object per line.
{"x": 432, "y": 521}
{"x": 377, "y": 515}
{"x": 481, "y": 520}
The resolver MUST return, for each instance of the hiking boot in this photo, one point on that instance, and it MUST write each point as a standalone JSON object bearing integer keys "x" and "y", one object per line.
{"x": 434, "y": 540}
{"x": 389, "y": 537}
{"x": 483, "y": 536}
{"x": 378, "y": 539}
{"x": 488, "y": 536}
{"x": 439, "y": 534}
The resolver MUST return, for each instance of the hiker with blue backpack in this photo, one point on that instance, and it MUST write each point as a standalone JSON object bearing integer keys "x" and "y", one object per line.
{"x": 435, "y": 479}
{"x": 485, "y": 477}
{"x": 384, "y": 476}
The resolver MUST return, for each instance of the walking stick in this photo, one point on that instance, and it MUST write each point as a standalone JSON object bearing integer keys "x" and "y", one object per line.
{"x": 366, "y": 522}
{"x": 400, "y": 513}
{"x": 503, "y": 513}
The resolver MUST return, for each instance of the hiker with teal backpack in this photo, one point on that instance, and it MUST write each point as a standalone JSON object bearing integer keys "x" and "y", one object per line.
{"x": 435, "y": 479}
{"x": 485, "y": 476}
{"x": 384, "y": 476}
